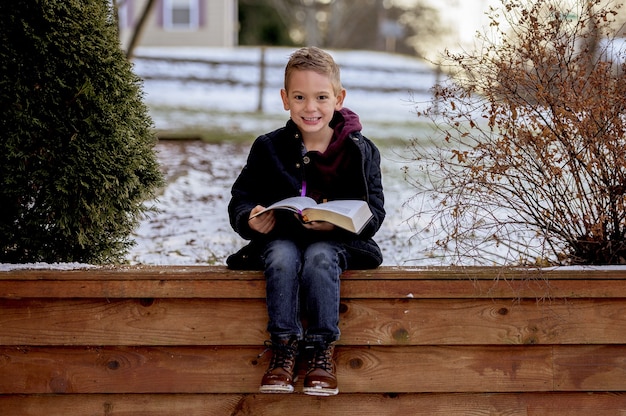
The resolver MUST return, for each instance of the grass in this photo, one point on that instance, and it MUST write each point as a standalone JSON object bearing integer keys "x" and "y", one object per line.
{"x": 209, "y": 135}
{"x": 218, "y": 127}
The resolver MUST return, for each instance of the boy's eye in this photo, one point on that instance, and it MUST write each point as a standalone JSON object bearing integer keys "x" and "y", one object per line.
{"x": 299, "y": 97}
{"x": 322, "y": 97}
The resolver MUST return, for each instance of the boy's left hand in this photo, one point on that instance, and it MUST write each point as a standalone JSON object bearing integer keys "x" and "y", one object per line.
{"x": 319, "y": 226}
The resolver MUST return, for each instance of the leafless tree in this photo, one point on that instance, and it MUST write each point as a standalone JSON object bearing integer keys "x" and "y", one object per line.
{"x": 139, "y": 26}
{"x": 530, "y": 165}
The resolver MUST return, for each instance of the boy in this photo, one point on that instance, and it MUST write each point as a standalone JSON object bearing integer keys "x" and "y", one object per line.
{"x": 320, "y": 153}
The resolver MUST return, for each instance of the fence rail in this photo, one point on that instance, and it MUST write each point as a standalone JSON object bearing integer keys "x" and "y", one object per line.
{"x": 262, "y": 73}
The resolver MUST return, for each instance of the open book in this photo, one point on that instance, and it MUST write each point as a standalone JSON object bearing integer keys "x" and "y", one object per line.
{"x": 351, "y": 214}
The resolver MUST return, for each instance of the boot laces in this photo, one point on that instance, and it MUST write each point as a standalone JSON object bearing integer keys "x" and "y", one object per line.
{"x": 321, "y": 358}
{"x": 283, "y": 355}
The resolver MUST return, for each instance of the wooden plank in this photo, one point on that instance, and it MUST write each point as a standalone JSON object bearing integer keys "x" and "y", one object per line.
{"x": 381, "y": 273}
{"x": 590, "y": 368}
{"x": 218, "y": 282}
{"x": 121, "y": 405}
{"x": 437, "y": 341}
{"x": 137, "y": 272}
{"x": 525, "y": 404}
{"x": 255, "y": 289}
{"x": 130, "y": 288}
{"x": 478, "y": 322}
{"x": 491, "y": 273}
{"x": 132, "y": 322}
{"x": 30, "y": 370}
{"x": 211, "y": 322}
{"x": 540, "y": 290}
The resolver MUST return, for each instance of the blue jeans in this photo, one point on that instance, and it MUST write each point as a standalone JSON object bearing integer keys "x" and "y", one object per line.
{"x": 303, "y": 273}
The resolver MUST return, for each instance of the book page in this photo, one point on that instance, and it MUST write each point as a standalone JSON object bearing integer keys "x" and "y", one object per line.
{"x": 295, "y": 204}
{"x": 343, "y": 207}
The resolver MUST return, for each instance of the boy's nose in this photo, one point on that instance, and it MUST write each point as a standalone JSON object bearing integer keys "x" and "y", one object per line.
{"x": 309, "y": 105}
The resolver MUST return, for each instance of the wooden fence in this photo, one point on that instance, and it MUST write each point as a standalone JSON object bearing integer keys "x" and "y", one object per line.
{"x": 268, "y": 74}
{"x": 186, "y": 341}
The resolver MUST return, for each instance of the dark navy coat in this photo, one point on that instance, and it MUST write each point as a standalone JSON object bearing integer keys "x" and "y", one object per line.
{"x": 275, "y": 170}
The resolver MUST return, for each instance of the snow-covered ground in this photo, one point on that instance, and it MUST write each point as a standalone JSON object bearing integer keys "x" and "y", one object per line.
{"x": 192, "y": 226}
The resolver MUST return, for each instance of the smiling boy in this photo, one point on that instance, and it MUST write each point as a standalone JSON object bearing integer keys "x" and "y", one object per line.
{"x": 322, "y": 154}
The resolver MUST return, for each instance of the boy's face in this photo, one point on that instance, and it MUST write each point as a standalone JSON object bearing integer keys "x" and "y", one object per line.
{"x": 311, "y": 101}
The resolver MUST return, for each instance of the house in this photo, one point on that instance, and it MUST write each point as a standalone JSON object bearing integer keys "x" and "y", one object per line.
{"x": 198, "y": 23}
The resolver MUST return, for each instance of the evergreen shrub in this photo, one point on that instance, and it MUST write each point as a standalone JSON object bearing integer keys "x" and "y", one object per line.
{"x": 77, "y": 159}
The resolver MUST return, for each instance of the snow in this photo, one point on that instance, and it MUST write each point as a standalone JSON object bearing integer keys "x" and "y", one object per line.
{"x": 4, "y": 267}
{"x": 411, "y": 77}
{"x": 191, "y": 224}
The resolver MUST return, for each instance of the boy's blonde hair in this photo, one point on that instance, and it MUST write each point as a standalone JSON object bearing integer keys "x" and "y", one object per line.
{"x": 314, "y": 59}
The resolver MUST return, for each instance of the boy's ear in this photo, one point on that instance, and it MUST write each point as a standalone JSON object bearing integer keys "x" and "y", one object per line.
{"x": 283, "y": 96}
{"x": 340, "y": 97}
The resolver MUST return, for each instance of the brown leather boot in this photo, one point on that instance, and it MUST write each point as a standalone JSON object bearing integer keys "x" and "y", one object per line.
{"x": 279, "y": 377}
{"x": 320, "y": 378}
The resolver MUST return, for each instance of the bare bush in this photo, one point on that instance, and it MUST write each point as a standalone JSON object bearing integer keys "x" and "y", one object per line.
{"x": 532, "y": 169}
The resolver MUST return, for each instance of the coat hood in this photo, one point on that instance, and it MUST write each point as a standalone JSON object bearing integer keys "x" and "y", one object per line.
{"x": 345, "y": 122}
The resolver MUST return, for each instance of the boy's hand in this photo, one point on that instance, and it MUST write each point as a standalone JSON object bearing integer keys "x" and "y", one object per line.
{"x": 319, "y": 226}
{"x": 264, "y": 223}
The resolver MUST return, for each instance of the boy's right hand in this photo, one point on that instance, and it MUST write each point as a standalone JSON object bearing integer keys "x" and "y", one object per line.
{"x": 263, "y": 223}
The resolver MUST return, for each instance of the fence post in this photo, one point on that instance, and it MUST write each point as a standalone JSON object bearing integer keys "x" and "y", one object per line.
{"x": 259, "y": 107}
{"x": 438, "y": 74}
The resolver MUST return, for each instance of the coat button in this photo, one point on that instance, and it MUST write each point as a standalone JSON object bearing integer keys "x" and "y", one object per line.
{"x": 306, "y": 160}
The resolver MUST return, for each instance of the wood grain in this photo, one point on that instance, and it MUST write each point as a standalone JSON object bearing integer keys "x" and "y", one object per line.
{"x": 430, "y": 404}
{"x": 189, "y": 341}
{"x": 384, "y": 282}
{"x": 362, "y": 322}
{"x": 40, "y": 370}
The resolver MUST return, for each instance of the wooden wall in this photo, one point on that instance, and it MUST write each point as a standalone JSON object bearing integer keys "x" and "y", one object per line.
{"x": 186, "y": 341}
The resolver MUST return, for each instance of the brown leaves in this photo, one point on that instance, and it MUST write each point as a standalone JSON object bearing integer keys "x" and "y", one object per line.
{"x": 535, "y": 141}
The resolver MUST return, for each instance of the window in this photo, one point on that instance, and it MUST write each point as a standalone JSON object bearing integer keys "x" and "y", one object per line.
{"x": 181, "y": 14}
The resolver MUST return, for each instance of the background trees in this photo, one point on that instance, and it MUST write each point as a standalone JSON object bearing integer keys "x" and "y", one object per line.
{"x": 340, "y": 24}
{"x": 76, "y": 143}
{"x": 385, "y": 25}
{"x": 533, "y": 169}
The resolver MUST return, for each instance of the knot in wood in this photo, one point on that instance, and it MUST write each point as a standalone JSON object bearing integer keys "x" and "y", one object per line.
{"x": 146, "y": 302}
{"x": 356, "y": 363}
{"x": 401, "y": 335}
